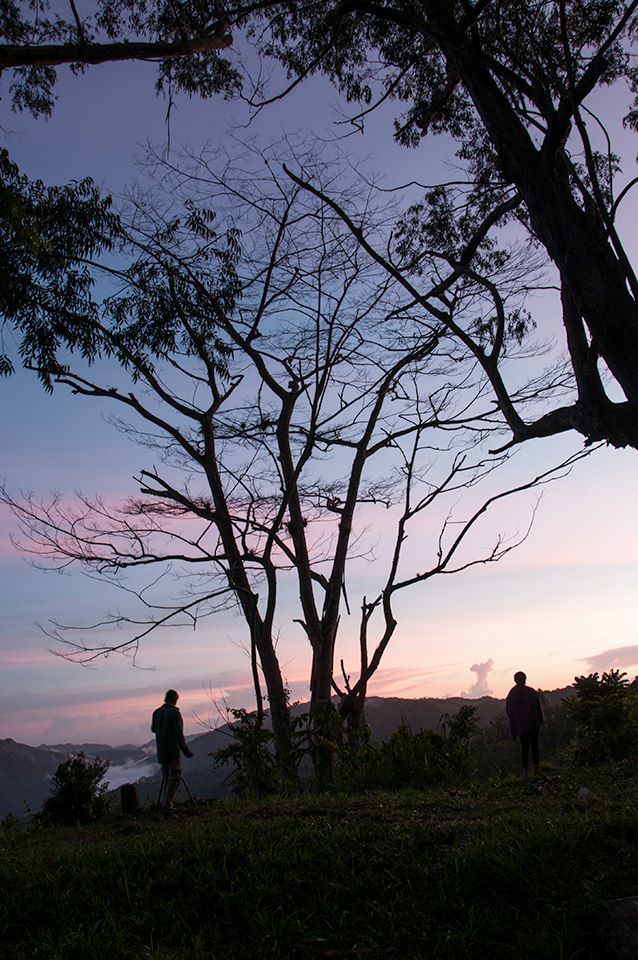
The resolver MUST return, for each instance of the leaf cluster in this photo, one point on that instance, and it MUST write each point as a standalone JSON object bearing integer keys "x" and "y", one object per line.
{"x": 33, "y": 24}
{"x": 78, "y": 792}
{"x": 544, "y": 58}
{"x": 47, "y": 237}
{"x": 256, "y": 771}
{"x": 605, "y": 711}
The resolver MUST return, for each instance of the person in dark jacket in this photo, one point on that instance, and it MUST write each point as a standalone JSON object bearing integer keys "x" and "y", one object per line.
{"x": 168, "y": 727}
{"x": 525, "y": 716}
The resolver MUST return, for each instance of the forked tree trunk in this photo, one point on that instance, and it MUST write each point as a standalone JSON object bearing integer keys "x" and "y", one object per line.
{"x": 573, "y": 237}
{"x": 260, "y": 630}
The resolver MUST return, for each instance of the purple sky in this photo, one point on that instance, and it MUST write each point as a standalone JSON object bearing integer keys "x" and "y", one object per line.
{"x": 563, "y": 604}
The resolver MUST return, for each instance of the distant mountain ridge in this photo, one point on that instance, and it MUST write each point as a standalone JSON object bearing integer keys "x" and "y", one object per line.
{"x": 84, "y": 747}
{"x": 116, "y": 755}
{"x": 24, "y": 777}
{"x": 25, "y": 771}
{"x": 385, "y": 714}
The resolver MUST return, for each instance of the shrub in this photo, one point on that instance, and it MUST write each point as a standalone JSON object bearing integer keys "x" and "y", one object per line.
{"x": 414, "y": 759}
{"x": 605, "y": 711}
{"x": 255, "y": 770}
{"x": 78, "y": 792}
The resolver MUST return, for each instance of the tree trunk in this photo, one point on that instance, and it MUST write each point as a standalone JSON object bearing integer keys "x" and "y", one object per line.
{"x": 260, "y": 632}
{"x": 326, "y": 723}
{"x": 352, "y": 713}
{"x": 279, "y": 706}
{"x": 573, "y": 238}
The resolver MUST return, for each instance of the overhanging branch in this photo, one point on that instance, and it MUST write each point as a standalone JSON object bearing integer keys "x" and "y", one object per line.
{"x": 55, "y": 54}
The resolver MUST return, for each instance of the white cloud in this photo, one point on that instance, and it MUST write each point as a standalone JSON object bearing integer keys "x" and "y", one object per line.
{"x": 480, "y": 686}
{"x": 130, "y": 772}
{"x": 615, "y": 658}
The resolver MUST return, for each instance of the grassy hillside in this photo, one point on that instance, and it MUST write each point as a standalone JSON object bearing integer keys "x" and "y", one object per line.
{"x": 495, "y": 870}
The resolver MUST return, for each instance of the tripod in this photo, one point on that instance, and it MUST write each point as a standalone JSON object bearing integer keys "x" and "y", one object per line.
{"x": 164, "y": 787}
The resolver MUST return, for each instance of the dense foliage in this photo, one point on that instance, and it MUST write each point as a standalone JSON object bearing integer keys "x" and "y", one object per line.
{"x": 408, "y": 758}
{"x": 512, "y": 82}
{"x": 417, "y": 759}
{"x": 596, "y": 725}
{"x": 251, "y": 753}
{"x": 78, "y": 792}
{"x": 605, "y": 711}
{"x": 48, "y": 236}
{"x": 183, "y": 37}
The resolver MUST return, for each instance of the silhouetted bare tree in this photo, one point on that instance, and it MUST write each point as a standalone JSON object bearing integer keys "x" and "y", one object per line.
{"x": 294, "y": 394}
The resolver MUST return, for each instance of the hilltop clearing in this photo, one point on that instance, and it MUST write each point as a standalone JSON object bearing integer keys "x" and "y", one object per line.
{"x": 495, "y": 870}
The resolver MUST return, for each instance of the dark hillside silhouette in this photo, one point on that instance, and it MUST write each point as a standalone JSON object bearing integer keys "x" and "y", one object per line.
{"x": 25, "y": 771}
{"x": 24, "y": 777}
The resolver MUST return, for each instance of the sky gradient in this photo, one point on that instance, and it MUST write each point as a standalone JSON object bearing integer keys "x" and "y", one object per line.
{"x": 563, "y": 604}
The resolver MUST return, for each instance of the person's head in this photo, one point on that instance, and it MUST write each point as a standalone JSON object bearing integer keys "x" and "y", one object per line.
{"x": 520, "y": 678}
{"x": 172, "y": 696}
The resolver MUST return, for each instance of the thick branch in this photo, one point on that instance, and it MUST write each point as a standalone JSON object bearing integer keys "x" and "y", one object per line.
{"x": 51, "y": 55}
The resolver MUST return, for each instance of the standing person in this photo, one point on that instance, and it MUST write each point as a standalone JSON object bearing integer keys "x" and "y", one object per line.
{"x": 168, "y": 727}
{"x": 525, "y": 715}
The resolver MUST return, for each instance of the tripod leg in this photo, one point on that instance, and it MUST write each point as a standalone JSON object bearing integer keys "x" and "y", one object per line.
{"x": 190, "y": 795}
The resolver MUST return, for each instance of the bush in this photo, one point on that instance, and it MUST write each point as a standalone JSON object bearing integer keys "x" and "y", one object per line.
{"x": 411, "y": 759}
{"x": 78, "y": 792}
{"x": 605, "y": 711}
{"x": 407, "y": 759}
{"x": 417, "y": 759}
{"x": 256, "y": 772}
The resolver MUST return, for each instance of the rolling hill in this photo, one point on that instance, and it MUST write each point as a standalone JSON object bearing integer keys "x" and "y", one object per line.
{"x": 25, "y": 771}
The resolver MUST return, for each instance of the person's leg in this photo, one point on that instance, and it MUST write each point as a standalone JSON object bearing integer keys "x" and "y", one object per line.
{"x": 164, "y": 788}
{"x": 525, "y": 752}
{"x": 533, "y": 741}
{"x": 174, "y": 779}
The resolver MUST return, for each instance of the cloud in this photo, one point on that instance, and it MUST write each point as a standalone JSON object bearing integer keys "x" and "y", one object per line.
{"x": 406, "y": 681}
{"x": 613, "y": 659}
{"x": 480, "y": 686}
{"x": 19, "y": 660}
{"x": 130, "y": 772}
{"x": 97, "y": 727}
{"x": 150, "y": 693}
{"x": 113, "y": 715}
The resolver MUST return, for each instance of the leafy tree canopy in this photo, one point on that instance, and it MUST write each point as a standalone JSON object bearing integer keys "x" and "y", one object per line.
{"x": 47, "y": 235}
{"x": 605, "y": 710}
{"x": 183, "y": 37}
{"x": 511, "y": 81}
